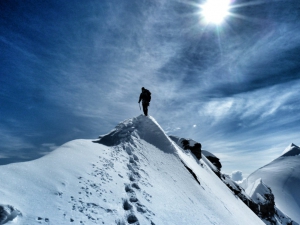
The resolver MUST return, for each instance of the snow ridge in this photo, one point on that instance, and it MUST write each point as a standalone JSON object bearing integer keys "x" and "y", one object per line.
{"x": 134, "y": 175}
{"x": 141, "y": 127}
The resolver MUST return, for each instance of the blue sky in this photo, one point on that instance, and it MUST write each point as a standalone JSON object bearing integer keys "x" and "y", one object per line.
{"x": 75, "y": 69}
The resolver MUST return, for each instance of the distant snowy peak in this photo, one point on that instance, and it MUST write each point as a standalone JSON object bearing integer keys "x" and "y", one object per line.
{"x": 282, "y": 176}
{"x": 291, "y": 150}
{"x": 262, "y": 195}
{"x": 258, "y": 190}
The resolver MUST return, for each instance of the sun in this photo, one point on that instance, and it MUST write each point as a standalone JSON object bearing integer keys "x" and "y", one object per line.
{"x": 215, "y": 11}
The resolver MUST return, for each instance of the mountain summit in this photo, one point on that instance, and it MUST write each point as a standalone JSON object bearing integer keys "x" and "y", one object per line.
{"x": 133, "y": 175}
{"x": 291, "y": 150}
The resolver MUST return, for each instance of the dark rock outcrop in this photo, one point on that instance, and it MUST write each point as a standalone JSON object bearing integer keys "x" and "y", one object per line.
{"x": 8, "y": 213}
{"x": 195, "y": 149}
{"x": 215, "y": 161}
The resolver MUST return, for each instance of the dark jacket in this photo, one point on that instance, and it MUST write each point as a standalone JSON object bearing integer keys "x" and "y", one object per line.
{"x": 145, "y": 96}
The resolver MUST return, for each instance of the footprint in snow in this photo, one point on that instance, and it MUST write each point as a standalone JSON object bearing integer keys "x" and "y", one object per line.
{"x": 147, "y": 196}
{"x": 58, "y": 193}
{"x": 133, "y": 199}
{"x": 136, "y": 186}
{"x": 132, "y": 161}
{"x": 40, "y": 219}
{"x": 126, "y": 205}
{"x": 135, "y": 157}
{"x": 132, "y": 219}
{"x": 134, "y": 177}
{"x": 129, "y": 166}
{"x": 128, "y": 150}
{"x": 128, "y": 188}
{"x": 141, "y": 208}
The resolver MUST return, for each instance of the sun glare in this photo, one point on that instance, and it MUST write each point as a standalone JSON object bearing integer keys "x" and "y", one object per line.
{"x": 215, "y": 11}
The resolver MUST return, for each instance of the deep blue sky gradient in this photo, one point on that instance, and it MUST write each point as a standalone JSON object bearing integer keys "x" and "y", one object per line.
{"x": 74, "y": 70}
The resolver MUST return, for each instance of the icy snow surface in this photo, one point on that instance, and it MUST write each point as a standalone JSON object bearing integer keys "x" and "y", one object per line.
{"x": 133, "y": 175}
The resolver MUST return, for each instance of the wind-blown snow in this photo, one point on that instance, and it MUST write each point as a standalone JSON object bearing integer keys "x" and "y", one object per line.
{"x": 134, "y": 175}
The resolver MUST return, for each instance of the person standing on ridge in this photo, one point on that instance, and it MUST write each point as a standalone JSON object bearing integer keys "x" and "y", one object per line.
{"x": 145, "y": 97}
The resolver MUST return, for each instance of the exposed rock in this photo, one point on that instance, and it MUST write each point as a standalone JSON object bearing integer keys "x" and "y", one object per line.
{"x": 195, "y": 149}
{"x": 8, "y": 213}
{"x": 189, "y": 144}
{"x": 215, "y": 161}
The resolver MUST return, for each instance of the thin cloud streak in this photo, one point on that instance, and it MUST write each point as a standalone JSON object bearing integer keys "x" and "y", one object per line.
{"x": 76, "y": 71}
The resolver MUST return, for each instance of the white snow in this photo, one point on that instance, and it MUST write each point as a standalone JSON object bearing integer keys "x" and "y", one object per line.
{"x": 257, "y": 190}
{"x": 137, "y": 177}
{"x": 283, "y": 177}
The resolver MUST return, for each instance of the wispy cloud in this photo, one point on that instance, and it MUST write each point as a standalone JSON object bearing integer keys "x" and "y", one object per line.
{"x": 11, "y": 142}
{"x": 75, "y": 71}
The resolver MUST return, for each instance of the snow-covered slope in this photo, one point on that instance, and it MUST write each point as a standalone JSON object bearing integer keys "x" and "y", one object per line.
{"x": 283, "y": 176}
{"x": 263, "y": 196}
{"x": 259, "y": 199}
{"x": 133, "y": 175}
